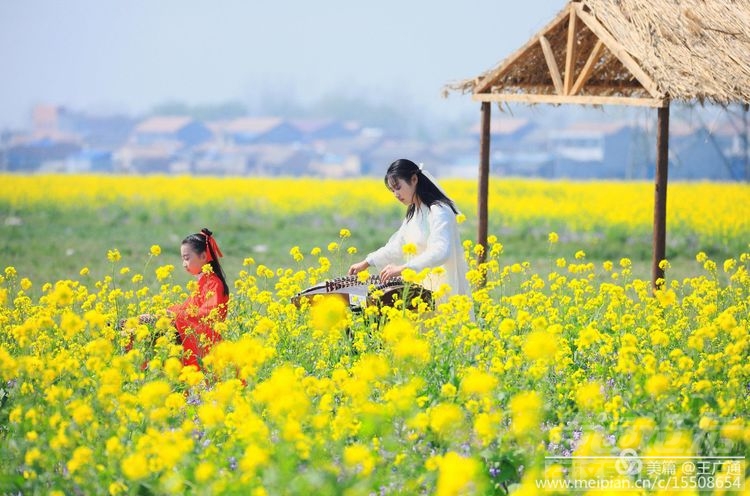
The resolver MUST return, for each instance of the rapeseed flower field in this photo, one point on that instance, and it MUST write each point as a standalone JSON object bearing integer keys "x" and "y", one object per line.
{"x": 545, "y": 377}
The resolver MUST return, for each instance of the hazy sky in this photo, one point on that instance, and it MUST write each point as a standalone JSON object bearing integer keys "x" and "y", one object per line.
{"x": 130, "y": 55}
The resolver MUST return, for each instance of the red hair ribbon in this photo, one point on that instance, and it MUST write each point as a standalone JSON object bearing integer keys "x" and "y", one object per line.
{"x": 212, "y": 247}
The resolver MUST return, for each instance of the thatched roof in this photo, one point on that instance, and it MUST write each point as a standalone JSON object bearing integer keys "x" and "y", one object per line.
{"x": 641, "y": 52}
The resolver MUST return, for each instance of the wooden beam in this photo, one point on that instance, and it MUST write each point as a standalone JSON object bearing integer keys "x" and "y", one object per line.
{"x": 487, "y": 81}
{"x": 560, "y": 99}
{"x": 660, "y": 197}
{"x": 484, "y": 179}
{"x": 554, "y": 71}
{"x": 588, "y": 69}
{"x": 571, "y": 53}
{"x": 618, "y": 51}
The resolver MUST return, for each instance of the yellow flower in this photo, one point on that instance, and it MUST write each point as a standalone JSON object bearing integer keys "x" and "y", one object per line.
{"x": 733, "y": 430}
{"x": 84, "y": 271}
{"x": 155, "y": 250}
{"x": 729, "y": 265}
{"x": 210, "y": 415}
{"x": 71, "y": 324}
{"x": 486, "y": 427}
{"x": 328, "y": 313}
{"x": 163, "y": 272}
{"x": 589, "y": 396}
{"x": 81, "y": 456}
{"x": 116, "y": 488}
{"x": 82, "y": 414}
{"x": 665, "y": 297}
{"x": 333, "y": 246}
{"x": 526, "y": 411}
{"x": 113, "y": 255}
{"x": 135, "y": 466}
{"x": 656, "y": 385}
{"x": 344, "y": 233}
{"x": 204, "y": 471}
{"x": 448, "y": 390}
{"x": 359, "y": 458}
{"x": 254, "y": 457}
{"x": 460, "y": 218}
{"x": 412, "y": 348}
{"x": 153, "y": 393}
{"x": 708, "y": 423}
{"x": 409, "y": 249}
{"x": 457, "y": 475}
{"x": 540, "y": 346}
{"x": 553, "y": 237}
{"x": 32, "y": 456}
{"x": 477, "y": 382}
{"x": 446, "y": 419}
{"x": 113, "y": 446}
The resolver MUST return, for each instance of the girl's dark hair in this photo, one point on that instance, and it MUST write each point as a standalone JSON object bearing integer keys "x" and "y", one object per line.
{"x": 428, "y": 193}
{"x": 198, "y": 243}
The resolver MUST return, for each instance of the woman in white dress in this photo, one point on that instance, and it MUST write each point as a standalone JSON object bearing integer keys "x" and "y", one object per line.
{"x": 430, "y": 226}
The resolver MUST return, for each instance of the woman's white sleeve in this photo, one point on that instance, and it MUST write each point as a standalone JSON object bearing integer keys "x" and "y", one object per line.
{"x": 391, "y": 253}
{"x": 438, "y": 251}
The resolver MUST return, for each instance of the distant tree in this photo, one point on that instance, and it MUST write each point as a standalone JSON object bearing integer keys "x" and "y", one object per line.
{"x": 205, "y": 112}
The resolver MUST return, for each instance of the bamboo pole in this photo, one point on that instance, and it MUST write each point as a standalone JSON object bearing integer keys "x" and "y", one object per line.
{"x": 660, "y": 197}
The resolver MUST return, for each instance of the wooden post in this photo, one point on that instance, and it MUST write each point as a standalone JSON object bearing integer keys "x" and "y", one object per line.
{"x": 484, "y": 177}
{"x": 744, "y": 139}
{"x": 660, "y": 195}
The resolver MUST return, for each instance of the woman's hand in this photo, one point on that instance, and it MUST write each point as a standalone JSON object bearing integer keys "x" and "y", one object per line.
{"x": 390, "y": 271}
{"x": 358, "y": 267}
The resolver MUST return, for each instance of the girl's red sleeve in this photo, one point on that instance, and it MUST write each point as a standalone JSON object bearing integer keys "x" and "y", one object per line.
{"x": 213, "y": 297}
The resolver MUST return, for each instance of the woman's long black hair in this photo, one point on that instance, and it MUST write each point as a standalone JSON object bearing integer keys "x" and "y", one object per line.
{"x": 199, "y": 244}
{"x": 427, "y": 191}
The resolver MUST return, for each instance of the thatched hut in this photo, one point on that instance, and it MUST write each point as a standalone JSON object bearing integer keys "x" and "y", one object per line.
{"x": 624, "y": 52}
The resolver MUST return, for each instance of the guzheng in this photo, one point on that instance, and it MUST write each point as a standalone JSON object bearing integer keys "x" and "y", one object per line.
{"x": 371, "y": 291}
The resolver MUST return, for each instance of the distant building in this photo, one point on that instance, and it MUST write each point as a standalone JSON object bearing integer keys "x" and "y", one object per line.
{"x": 377, "y": 160}
{"x": 697, "y": 152}
{"x": 45, "y": 118}
{"x": 160, "y": 157}
{"x": 158, "y": 129}
{"x": 314, "y": 130}
{"x": 509, "y": 146}
{"x": 89, "y": 160}
{"x": 507, "y": 133}
{"x": 258, "y": 130}
{"x": 335, "y": 166}
{"x": 102, "y": 132}
{"x": 64, "y": 140}
{"x": 279, "y": 160}
{"x": 599, "y": 150}
{"x": 29, "y": 153}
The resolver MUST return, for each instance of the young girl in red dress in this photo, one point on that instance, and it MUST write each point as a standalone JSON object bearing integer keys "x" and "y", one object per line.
{"x": 196, "y": 316}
